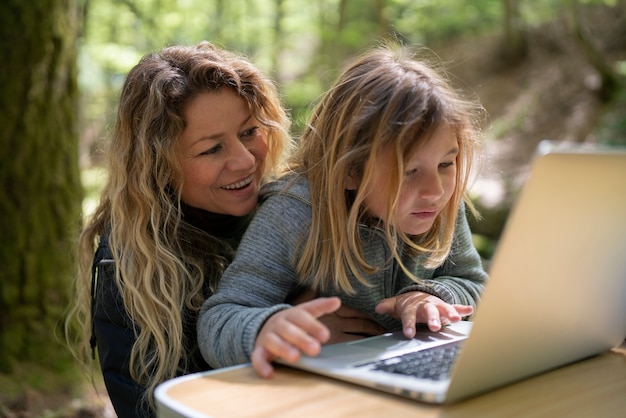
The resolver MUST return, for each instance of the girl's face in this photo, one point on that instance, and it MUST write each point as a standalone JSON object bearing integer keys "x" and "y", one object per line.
{"x": 427, "y": 186}
{"x": 222, "y": 153}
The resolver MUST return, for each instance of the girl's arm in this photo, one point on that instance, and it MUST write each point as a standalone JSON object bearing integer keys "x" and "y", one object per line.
{"x": 461, "y": 279}
{"x": 450, "y": 293}
{"x": 255, "y": 285}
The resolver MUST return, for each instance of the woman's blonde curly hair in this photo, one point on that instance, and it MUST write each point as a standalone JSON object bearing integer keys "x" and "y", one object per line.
{"x": 163, "y": 264}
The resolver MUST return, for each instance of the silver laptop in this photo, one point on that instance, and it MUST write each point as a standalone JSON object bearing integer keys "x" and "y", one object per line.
{"x": 557, "y": 293}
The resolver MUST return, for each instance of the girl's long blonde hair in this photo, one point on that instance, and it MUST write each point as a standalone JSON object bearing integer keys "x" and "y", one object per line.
{"x": 383, "y": 98}
{"x": 163, "y": 264}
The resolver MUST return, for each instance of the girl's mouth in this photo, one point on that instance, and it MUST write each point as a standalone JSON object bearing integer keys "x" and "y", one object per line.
{"x": 427, "y": 214}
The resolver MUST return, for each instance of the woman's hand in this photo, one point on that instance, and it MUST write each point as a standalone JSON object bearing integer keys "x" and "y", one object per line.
{"x": 346, "y": 323}
{"x": 290, "y": 332}
{"x": 419, "y": 307}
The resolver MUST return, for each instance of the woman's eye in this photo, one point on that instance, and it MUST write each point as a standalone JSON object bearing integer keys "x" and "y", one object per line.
{"x": 249, "y": 132}
{"x": 447, "y": 164}
{"x": 212, "y": 150}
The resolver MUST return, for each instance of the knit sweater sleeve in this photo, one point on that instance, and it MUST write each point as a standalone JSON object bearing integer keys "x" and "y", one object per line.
{"x": 255, "y": 285}
{"x": 461, "y": 278}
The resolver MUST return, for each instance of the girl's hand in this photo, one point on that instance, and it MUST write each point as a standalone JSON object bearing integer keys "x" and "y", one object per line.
{"x": 419, "y": 307}
{"x": 289, "y": 332}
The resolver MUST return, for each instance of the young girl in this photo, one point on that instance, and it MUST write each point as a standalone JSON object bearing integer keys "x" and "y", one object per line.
{"x": 372, "y": 211}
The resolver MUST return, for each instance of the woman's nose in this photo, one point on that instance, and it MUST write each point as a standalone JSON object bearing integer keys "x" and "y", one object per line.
{"x": 240, "y": 157}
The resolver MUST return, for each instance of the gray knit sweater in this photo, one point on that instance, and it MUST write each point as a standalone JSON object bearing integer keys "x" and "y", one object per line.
{"x": 262, "y": 276}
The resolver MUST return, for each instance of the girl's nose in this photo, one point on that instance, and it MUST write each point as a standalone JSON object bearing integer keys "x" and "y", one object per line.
{"x": 431, "y": 187}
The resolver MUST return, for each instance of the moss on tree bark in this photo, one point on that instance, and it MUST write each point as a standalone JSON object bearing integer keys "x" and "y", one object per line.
{"x": 40, "y": 206}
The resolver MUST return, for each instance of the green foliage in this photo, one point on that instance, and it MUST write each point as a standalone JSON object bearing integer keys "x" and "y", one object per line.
{"x": 436, "y": 20}
{"x": 302, "y": 50}
{"x": 93, "y": 179}
{"x": 303, "y": 44}
{"x": 613, "y": 129}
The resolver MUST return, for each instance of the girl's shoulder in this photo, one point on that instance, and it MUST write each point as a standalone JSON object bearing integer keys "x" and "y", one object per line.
{"x": 290, "y": 185}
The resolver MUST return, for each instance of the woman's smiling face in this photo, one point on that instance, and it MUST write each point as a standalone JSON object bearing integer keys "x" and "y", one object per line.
{"x": 222, "y": 153}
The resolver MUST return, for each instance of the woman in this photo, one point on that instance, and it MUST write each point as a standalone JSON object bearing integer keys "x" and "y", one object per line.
{"x": 198, "y": 129}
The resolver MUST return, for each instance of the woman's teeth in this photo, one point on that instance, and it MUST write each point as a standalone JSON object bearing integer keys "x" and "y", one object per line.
{"x": 239, "y": 185}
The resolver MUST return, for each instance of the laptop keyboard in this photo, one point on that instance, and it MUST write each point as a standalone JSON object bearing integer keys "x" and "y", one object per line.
{"x": 432, "y": 363}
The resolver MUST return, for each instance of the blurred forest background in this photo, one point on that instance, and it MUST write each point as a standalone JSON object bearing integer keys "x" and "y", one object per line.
{"x": 550, "y": 69}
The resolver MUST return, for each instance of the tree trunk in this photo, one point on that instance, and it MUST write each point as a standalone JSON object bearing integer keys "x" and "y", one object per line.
{"x": 217, "y": 25}
{"x": 384, "y": 26}
{"x": 515, "y": 45}
{"x": 277, "y": 44}
{"x": 40, "y": 209}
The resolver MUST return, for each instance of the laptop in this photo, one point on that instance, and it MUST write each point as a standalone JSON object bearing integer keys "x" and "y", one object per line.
{"x": 556, "y": 293}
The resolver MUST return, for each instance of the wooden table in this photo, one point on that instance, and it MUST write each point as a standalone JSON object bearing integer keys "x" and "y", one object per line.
{"x": 593, "y": 388}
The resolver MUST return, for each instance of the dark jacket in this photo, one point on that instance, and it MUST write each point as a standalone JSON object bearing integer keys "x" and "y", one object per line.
{"x": 114, "y": 331}
{"x": 115, "y": 336}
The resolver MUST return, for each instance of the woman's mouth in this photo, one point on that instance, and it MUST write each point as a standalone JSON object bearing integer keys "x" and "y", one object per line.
{"x": 239, "y": 185}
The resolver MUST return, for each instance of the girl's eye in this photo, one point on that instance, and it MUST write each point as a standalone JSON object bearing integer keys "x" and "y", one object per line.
{"x": 411, "y": 173}
{"x": 212, "y": 150}
{"x": 442, "y": 166}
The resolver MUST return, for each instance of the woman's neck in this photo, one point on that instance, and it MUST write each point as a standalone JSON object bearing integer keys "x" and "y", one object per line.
{"x": 215, "y": 224}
